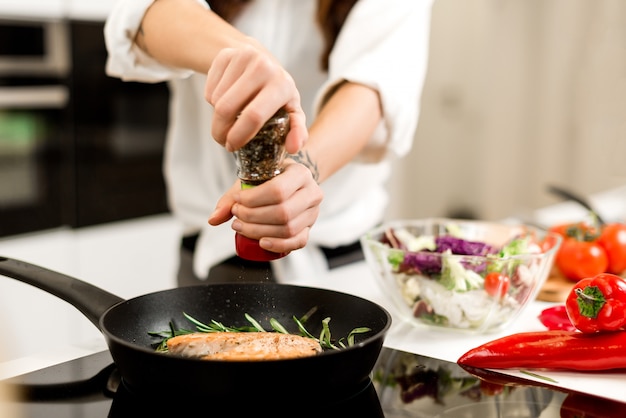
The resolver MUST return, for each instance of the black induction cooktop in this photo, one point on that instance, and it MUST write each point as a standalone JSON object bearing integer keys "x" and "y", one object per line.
{"x": 401, "y": 385}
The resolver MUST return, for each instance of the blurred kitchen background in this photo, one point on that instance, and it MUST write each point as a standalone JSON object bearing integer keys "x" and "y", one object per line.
{"x": 77, "y": 148}
{"x": 519, "y": 94}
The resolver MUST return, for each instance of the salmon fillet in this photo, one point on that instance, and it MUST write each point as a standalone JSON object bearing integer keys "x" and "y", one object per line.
{"x": 242, "y": 346}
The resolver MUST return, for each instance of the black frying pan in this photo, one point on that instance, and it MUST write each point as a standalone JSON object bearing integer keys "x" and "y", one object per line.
{"x": 125, "y": 325}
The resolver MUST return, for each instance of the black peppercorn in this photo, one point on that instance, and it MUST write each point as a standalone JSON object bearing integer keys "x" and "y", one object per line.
{"x": 260, "y": 159}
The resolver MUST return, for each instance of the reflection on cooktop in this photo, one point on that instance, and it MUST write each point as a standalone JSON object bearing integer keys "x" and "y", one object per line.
{"x": 401, "y": 385}
{"x": 417, "y": 386}
{"x": 90, "y": 387}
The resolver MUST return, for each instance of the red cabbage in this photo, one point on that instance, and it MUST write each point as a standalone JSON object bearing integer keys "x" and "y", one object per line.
{"x": 463, "y": 247}
{"x": 429, "y": 263}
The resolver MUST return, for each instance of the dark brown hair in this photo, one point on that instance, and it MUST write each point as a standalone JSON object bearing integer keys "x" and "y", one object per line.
{"x": 331, "y": 14}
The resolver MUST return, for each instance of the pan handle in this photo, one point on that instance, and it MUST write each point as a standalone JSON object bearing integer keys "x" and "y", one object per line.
{"x": 92, "y": 301}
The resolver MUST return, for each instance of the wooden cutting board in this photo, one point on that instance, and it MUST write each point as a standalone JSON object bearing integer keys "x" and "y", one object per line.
{"x": 556, "y": 288}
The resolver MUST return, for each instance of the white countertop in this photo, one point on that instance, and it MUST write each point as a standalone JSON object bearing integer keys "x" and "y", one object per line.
{"x": 448, "y": 345}
{"x": 355, "y": 279}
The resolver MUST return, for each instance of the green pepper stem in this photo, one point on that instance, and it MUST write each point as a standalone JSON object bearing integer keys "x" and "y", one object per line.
{"x": 590, "y": 301}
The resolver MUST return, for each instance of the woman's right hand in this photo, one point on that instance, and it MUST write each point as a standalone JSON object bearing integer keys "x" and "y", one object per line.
{"x": 246, "y": 86}
{"x": 279, "y": 212}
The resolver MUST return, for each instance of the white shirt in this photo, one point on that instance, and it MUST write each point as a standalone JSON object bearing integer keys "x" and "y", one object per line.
{"x": 383, "y": 44}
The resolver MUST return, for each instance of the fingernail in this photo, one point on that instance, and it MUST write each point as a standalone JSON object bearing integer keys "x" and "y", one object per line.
{"x": 237, "y": 225}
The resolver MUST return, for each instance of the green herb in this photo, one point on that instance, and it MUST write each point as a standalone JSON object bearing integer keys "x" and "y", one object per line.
{"x": 277, "y": 326}
{"x": 325, "y": 340}
{"x": 255, "y": 324}
{"x": 538, "y": 376}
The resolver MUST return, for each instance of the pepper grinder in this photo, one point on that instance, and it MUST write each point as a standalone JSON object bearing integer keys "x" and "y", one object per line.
{"x": 257, "y": 162}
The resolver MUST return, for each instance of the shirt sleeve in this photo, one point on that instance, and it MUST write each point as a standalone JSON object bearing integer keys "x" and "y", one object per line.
{"x": 384, "y": 45}
{"x": 125, "y": 59}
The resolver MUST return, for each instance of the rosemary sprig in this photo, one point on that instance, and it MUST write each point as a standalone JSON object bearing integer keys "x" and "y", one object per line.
{"x": 277, "y": 326}
{"x": 538, "y": 376}
{"x": 325, "y": 340}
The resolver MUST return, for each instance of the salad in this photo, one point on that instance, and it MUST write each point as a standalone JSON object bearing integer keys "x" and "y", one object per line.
{"x": 413, "y": 378}
{"x": 449, "y": 280}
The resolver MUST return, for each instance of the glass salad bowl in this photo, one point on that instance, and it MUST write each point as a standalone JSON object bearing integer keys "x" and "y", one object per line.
{"x": 476, "y": 276}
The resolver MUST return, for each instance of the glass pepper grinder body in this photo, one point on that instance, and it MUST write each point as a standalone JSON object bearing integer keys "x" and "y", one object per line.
{"x": 257, "y": 162}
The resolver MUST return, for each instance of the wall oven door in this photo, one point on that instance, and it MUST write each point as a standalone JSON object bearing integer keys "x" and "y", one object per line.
{"x": 77, "y": 148}
{"x": 119, "y": 135}
{"x": 34, "y": 126}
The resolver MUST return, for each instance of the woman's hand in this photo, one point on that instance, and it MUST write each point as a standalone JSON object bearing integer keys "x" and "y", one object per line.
{"x": 279, "y": 212}
{"x": 246, "y": 86}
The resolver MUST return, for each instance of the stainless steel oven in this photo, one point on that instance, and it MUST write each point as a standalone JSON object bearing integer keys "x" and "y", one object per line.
{"x": 34, "y": 124}
{"x": 77, "y": 147}
{"x": 29, "y": 47}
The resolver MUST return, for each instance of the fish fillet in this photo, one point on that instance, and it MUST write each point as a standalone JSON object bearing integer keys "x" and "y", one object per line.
{"x": 242, "y": 346}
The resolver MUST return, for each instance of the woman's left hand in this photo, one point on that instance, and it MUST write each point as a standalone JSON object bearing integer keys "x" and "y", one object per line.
{"x": 279, "y": 213}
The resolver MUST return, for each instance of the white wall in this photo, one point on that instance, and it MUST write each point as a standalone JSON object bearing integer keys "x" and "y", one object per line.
{"x": 519, "y": 93}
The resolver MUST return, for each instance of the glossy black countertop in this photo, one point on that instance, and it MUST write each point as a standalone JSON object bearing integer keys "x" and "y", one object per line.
{"x": 401, "y": 385}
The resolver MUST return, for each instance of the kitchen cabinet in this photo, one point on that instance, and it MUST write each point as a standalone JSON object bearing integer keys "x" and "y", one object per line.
{"x": 32, "y": 9}
{"x": 90, "y": 10}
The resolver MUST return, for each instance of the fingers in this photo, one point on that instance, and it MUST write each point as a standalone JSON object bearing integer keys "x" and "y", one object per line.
{"x": 277, "y": 242}
{"x": 223, "y": 208}
{"x": 281, "y": 211}
{"x": 246, "y": 86}
{"x": 298, "y": 131}
{"x": 286, "y": 245}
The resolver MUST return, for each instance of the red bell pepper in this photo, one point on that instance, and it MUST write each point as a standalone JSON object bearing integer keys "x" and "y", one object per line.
{"x": 551, "y": 350}
{"x": 556, "y": 317}
{"x": 598, "y": 303}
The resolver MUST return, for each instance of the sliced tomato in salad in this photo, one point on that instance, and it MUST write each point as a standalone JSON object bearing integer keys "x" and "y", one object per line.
{"x": 497, "y": 284}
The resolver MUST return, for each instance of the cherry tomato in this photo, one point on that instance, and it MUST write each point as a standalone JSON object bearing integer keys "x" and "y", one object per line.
{"x": 581, "y": 259}
{"x": 581, "y": 231}
{"x": 613, "y": 240}
{"x": 548, "y": 242}
{"x": 561, "y": 229}
{"x": 497, "y": 284}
